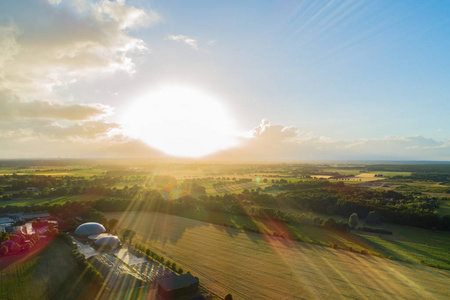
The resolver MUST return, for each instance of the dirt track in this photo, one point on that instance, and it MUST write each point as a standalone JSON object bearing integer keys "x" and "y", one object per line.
{"x": 250, "y": 266}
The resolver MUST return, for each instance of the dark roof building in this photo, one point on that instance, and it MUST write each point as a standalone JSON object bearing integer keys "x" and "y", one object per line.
{"x": 182, "y": 286}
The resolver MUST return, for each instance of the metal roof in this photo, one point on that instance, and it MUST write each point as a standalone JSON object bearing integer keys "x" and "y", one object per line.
{"x": 90, "y": 228}
{"x": 177, "y": 282}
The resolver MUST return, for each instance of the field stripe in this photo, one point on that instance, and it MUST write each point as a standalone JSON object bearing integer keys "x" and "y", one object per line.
{"x": 252, "y": 266}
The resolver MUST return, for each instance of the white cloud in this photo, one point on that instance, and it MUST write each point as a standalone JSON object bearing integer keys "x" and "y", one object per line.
{"x": 287, "y": 143}
{"x": 185, "y": 39}
{"x": 8, "y": 44}
{"x": 54, "y": 2}
{"x": 66, "y": 41}
{"x": 30, "y": 145}
{"x": 48, "y": 44}
{"x": 12, "y": 109}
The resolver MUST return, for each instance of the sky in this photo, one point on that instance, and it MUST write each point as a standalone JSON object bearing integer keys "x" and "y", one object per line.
{"x": 225, "y": 80}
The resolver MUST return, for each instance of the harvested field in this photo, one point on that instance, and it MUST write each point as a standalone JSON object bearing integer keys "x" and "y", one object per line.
{"x": 367, "y": 177}
{"x": 252, "y": 266}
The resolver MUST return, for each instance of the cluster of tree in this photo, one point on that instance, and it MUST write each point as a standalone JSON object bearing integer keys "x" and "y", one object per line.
{"x": 18, "y": 182}
{"x": 15, "y": 243}
{"x": 88, "y": 270}
{"x": 4, "y": 236}
{"x": 250, "y": 203}
{"x": 222, "y": 182}
{"x": 418, "y": 189}
{"x": 53, "y": 186}
{"x": 127, "y": 234}
{"x": 338, "y": 198}
{"x": 442, "y": 178}
{"x": 331, "y": 223}
{"x": 376, "y": 230}
{"x": 374, "y": 206}
{"x": 112, "y": 225}
{"x": 50, "y": 231}
{"x": 159, "y": 258}
{"x": 192, "y": 187}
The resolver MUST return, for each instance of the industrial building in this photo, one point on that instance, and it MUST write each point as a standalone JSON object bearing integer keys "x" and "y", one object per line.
{"x": 90, "y": 228}
{"x": 105, "y": 242}
{"x": 182, "y": 286}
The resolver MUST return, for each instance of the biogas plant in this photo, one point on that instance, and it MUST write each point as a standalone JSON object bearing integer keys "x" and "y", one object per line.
{"x": 96, "y": 235}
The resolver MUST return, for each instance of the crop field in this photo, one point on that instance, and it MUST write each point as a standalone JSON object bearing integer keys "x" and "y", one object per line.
{"x": 51, "y": 274}
{"x": 53, "y": 171}
{"x": 406, "y": 243}
{"x": 367, "y": 177}
{"x": 254, "y": 266}
{"x": 444, "y": 207}
{"x": 236, "y": 188}
{"x": 49, "y": 200}
{"x": 361, "y": 171}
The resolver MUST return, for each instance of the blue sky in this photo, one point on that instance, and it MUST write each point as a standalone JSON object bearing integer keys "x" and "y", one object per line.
{"x": 338, "y": 73}
{"x": 381, "y": 67}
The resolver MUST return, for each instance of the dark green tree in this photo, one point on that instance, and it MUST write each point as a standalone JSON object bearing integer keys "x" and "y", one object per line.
{"x": 112, "y": 224}
{"x": 373, "y": 218}
{"x": 124, "y": 233}
{"x": 353, "y": 220}
{"x": 131, "y": 235}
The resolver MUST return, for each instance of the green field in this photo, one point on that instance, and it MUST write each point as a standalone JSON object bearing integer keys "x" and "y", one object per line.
{"x": 49, "y": 200}
{"x": 53, "y": 171}
{"x": 255, "y": 266}
{"x": 444, "y": 207}
{"x": 50, "y": 274}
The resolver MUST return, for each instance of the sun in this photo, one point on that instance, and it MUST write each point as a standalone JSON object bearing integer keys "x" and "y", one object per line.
{"x": 181, "y": 121}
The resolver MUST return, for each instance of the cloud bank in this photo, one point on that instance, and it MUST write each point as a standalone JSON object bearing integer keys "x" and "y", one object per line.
{"x": 43, "y": 45}
{"x": 46, "y": 45}
{"x": 274, "y": 142}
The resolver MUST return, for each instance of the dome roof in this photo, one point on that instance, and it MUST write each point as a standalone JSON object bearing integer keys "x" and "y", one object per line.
{"x": 90, "y": 229}
{"x": 110, "y": 240}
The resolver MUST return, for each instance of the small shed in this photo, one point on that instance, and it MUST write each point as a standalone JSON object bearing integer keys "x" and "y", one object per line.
{"x": 176, "y": 287}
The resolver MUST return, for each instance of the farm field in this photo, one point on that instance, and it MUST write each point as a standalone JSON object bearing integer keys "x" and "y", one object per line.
{"x": 237, "y": 188}
{"x": 49, "y": 200}
{"x": 407, "y": 243}
{"x": 53, "y": 172}
{"x": 359, "y": 171}
{"x": 444, "y": 207}
{"x": 253, "y": 266}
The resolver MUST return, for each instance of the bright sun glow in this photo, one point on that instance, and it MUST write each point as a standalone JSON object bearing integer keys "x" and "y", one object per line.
{"x": 181, "y": 121}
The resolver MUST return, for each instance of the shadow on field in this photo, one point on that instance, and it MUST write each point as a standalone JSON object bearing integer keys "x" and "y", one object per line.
{"x": 384, "y": 250}
{"x": 417, "y": 254}
{"x": 232, "y": 232}
{"x": 254, "y": 237}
